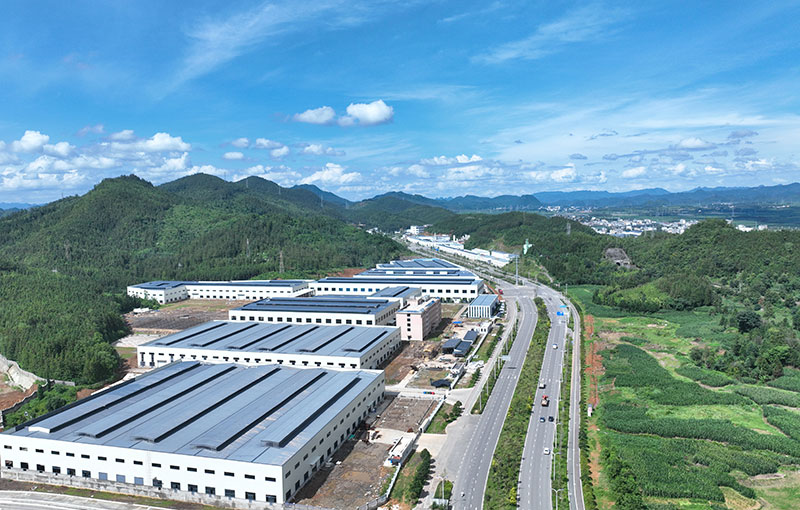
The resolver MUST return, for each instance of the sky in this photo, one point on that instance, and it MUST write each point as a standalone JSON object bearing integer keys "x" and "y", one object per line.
{"x": 441, "y": 98}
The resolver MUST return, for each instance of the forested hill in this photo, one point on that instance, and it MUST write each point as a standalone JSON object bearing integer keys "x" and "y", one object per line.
{"x": 60, "y": 263}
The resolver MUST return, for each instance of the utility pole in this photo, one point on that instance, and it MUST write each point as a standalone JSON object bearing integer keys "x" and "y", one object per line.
{"x": 280, "y": 266}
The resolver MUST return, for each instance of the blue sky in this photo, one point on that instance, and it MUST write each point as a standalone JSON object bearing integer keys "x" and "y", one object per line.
{"x": 439, "y": 98}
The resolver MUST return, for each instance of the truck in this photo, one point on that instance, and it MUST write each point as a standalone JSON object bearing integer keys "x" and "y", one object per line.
{"x": 545, "y": 401}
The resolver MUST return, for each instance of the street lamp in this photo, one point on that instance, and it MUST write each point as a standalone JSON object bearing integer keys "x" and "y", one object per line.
{"x": 557, "y": 491}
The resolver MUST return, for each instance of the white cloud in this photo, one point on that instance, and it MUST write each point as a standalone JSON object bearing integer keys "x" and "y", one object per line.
{"x": 61, "y": 149}
{"x": 94, "y": 162}
{"x": 283, "y": 175}
{"x": 444, "y": 160}
{"x": 241, "y": 143}
{"x": 233, "y": 156}
{"x": 323, "y": 115}
{"x": 566, "y": 174}
{"x": 634, "y": 172}
{"x": 31, "y": 141}
{"x": 279, "y": 152}
{"x": 126, "y": 135}
{"x": 470, "y": 172}
{"x": 368, "y": 114}
{"x": 418, "y": 170}
{"x": 264, "y": 143}
{"x": 97, "y": 129}
{"x": 713, "y": 170}
{"x": 319, "y": 150}
{"x": 694, "y": 143}
{"x": 175, "y": 164}
{"x": 159, "y": 142}
{"x": 678, "y": 169}
{"x": 332, "y": 174}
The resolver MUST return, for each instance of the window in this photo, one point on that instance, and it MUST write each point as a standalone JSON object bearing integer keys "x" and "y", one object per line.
{"x": 250, "y": 477}
{"x": 86, "y": 474}
{"x": 24, "y": 466}
{"x": 230, "y": 493}
{"x": 101, "y": 458}
{"x": 191, "y": 469}
{"x": 271, "y": 498}
{"x": 70, "y": 454}
{"x": 56, "y": 470}
{"x": 157, "y": 483}
{"x": 121, "y": 478}
{"x": 39, "y": 451}
{"x": 23, "y": 449}
{"x": 288, "y": 473}
{"x": 53, "y": 452}
{"x": 175, "y": 485}
{"x": 211, "y": 491}
{"x": 228, "y": 473}
{"x": 269, "y": 479}
{"x": 102, "y": 476}
{"x": 137, "y": 462}
{"x": 250, "y": 496}
{"x": 209, "y": 471}
{"x": 174, "y": 467}
{"x": 84, "y": 456}
{"x": 121, "y": 461}
{"x": 156, "y": 464}
{"x": 138, "y": 480}
{"x": 70, "y": 471}
{"x": 192, "y": 487}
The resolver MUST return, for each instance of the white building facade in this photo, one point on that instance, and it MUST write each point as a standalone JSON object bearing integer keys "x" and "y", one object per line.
{"x": 168, "y": 291}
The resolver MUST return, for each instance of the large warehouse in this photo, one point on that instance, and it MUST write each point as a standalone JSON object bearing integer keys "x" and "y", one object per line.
{"x": 356, "y": 310}
{"x": 457, "y": 289}
{"x": 171, "y": 291}
{"x": 402, "y": 294}
{"x": 257, "y": 343}
{"x": 430, "y": 263}
{"x": 255, "y": 433}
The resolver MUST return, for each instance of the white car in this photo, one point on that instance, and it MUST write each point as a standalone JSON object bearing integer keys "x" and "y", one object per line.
{"x": 555, "y": 346}
{"x": 547, "y": 451}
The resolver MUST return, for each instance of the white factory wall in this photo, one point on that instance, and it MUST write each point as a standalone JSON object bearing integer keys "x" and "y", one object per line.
{"x": 385, "y": 317}
{"x": 444, "y": 291}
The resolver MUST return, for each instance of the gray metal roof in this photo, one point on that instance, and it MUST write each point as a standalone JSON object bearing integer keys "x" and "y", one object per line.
{"x": 415, "y": 273}
{"x": 265, "y": 338}
{"x": 471, "y": 335}
{"x": 170, "y": 284}
{"x": 260, "y": 414}
{"x": 431, "y": 263}
{"x": 395, "y": 292}
{"x": 484, "y": 300}
{"x": 320, "y": 304}
{"x": 451, "y": 343}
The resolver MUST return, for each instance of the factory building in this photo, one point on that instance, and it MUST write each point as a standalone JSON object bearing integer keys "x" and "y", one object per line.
{"x": 402, "y": 294}
{"x": 256, "y": 343}
{"x": 419, "y": 318}
{"x": 415, "y": 273}
{"x": 483, "y": 307}
{"x": 446, "y": 288}
{"x": 326, "y": 310}
{"x": 171, "y": 291}
{"x": 428, "y": 263}
{"x": 253, "y": 433}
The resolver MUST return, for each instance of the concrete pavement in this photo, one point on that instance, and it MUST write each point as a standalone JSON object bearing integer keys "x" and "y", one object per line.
{"x": 25, "y": 500}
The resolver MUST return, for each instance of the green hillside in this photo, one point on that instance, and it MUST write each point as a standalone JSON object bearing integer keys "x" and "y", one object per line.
{"x": 64, "y": 261}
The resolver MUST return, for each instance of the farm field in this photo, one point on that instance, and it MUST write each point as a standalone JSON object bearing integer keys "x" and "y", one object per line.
{"x": 693, "y": 438}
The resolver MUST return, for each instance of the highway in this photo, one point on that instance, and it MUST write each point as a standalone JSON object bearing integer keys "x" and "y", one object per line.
{"x": 470, "y": 483}
{"x": 575, "y": 488}
{"x": 535, "y": 469}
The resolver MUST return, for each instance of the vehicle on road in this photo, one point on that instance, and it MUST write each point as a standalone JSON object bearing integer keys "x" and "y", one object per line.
{"x": 545, "y": 401}
{"x": 555, "y": 346}
{"x": 547, "y": 451}
{"x": 542, "y": 385}
{"x": 550, "y": 418}
{"x": 541, "y": 419}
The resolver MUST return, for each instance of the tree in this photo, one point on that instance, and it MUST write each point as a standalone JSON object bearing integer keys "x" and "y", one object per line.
{"x": 748, "y": 321}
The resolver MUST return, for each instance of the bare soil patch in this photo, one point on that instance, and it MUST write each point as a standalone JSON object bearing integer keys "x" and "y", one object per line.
{"x": 354, "y": 482}
{"x": 180, "y": 316}
{"x": 405, "y": 414}
{"x": 10, "y": 395}
{"x": 408, "y": 359}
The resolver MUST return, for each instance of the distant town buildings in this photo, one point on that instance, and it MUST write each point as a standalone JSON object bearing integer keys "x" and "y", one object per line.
{"x": 444, "y": 244}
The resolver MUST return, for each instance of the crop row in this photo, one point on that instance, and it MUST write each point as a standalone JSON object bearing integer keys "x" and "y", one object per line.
{"x": 704, "y": 375}
{"x": 764, "y": 395}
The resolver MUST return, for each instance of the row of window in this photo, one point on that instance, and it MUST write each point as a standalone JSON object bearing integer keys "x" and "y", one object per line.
{"x": 424, "y": 291}
{"x": 292, "y": 362}
{"x": 308, "y": 320}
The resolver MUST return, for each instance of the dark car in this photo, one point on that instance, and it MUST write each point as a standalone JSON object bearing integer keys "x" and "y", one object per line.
{"x": 541, "y": 419}
{"x": 549, "y": 418}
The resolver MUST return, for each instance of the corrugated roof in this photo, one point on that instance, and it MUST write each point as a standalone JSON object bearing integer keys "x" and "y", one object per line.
{"x": 261, "y": 414}
{"x": 320, "y": 304}
{"x": 415, "y": 273}
{"x": 431, "y": 263}
{"x": 263, "y": 338}
{"x": 170, "y": 284}
{"x": 399, "y": 280}
{"x": 399, "y": 291}
{"x": 484, "y": 300}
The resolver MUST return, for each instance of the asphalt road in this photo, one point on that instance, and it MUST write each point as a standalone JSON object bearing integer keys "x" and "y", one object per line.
{"x": 23, "y": 500}
{"x": 574, "y": 486}
{"x": 536, "y": 466}
{"x": 470, "y": 483}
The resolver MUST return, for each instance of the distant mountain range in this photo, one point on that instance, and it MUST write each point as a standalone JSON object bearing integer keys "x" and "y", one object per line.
{"x": 762, "y": 195}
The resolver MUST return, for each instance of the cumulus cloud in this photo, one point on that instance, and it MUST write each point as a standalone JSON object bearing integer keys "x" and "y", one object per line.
{"x": 126, "y": 135}
{"x": 265, "y": 143}
{"x": 444, "y": 160}
{"x": 319, "y": 150}
{"x": 741, "y": 133}
{"x": 368, "y": 114}
{"x": 60, "y": 149}
{"x": 418, "y": 170}
{"x": 577, "y": 155}
{"x": 31, "y": 141}
{"x": 323, "y": 115}
{"x": 566, "y": 174}
{"x": 332, "y": 174}
{"x": 713, "y": 169}
{"x": 634, "y": 172}
{"x": 279, "y": 152}
{"x": 159, "y": 142}
{"x": 233, "y": 156}
{"x": 694, "y": 143}
{"x": 241, "y": 143}
{"x": 281, "y": 174}
{"x": 97, "y": 129}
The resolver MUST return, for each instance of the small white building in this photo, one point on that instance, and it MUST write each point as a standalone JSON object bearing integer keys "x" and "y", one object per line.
{"x": 326, "y": 310}
{"x": 168, "y": 291}
{"x": 483, "y": 307}
{"x": 419, "y": 318}
{"x": 252, "y": 433}
{"x": 256, "y": 343}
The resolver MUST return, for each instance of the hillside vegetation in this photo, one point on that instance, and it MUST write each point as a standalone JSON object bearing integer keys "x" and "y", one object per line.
{"x": 64, "y": 262}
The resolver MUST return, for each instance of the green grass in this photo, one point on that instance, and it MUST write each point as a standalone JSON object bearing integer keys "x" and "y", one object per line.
{"x": 750, "y": 417}
{"x": 439, "y": 422}
{"x": 405, "y": 477}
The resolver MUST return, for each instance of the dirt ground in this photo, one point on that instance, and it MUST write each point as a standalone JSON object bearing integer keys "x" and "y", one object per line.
{"x": 405, "y": 414}
{"x": 412, "y": 354}
{"x": 356, "y": 481}
{"x": 10, "y": 395}
{"x": 179, "y": 316}
{"x": 350, "y": 271}
{"x": 425, "y": 376}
